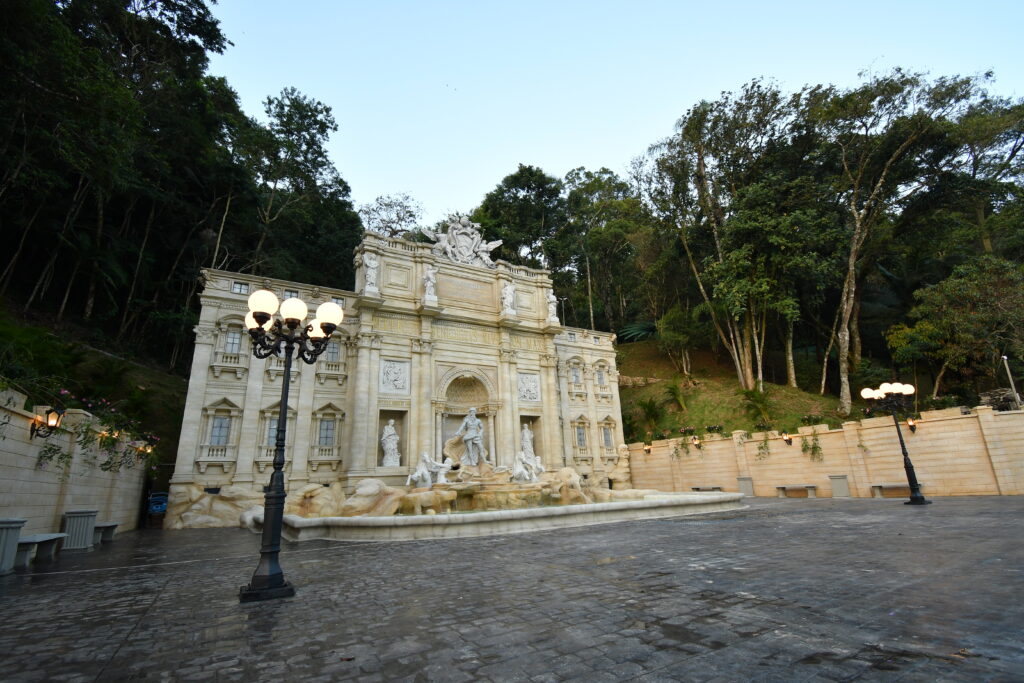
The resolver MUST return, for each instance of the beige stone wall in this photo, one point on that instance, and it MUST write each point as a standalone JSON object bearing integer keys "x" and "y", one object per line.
{"x": 954, "y": 454}
{"x": 43, "y": 495}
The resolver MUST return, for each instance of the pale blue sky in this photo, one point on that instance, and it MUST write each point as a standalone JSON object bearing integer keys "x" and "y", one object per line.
{"x": 444, "y": 99}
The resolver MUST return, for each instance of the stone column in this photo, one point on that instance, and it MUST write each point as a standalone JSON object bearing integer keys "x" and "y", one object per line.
{"x": 249, "y": 436}
{"x": 507, "y": 391}
{"x": 423, "y": 428}
{"x": 554, "y": 455}
{"x": 192, "y": 421}
{"x": 303, "y": 424}
{"x": 490, "y": 438}
{"x": 360, "y": 408}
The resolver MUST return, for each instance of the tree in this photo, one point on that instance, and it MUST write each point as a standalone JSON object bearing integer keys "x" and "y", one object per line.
{"x": 877, "y": 136}
{"x": 290, "y": 159}
{"x": 967, "y": 321}
{"x": 698, "y": 177}
{"x": 524, "y": 210}
{"x": 393, "y": 215}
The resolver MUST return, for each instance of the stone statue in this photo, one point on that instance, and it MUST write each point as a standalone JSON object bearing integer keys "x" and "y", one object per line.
{"x": 526, "y": 439}
{"x": 462, "y": 243}
{"x": 370, "y": 274}
{"x": 389, "y": 442}
{"x": 472, "y": 433}
{"x": 443, "y": 469}
{"x": 552, "y": 308}
{"x": 421, "y": 477}
{"x": 430, "y": 283}
{"x": 524, "y": 469}
{"x": 508, "y": 298}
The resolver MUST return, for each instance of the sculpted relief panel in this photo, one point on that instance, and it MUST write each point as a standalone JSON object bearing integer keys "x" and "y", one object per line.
{"x": 394, "y": 377}
{"x": 529, "y": 387}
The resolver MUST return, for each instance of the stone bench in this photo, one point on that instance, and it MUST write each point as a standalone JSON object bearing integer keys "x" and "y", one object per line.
{"x": 45, "y": 546}
{"x": 812, "y": 490}
{"x": 103, "y": 532}
{"x": 878, "y": 490}
{"x": 705, "y": 488}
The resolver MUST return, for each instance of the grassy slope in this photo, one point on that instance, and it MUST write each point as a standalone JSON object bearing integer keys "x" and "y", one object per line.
{"x": 715, "y": 398}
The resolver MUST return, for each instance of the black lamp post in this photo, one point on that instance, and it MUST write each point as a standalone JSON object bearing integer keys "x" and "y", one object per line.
{"x": 281, "y": 336}
{"x": 892, "y": 397}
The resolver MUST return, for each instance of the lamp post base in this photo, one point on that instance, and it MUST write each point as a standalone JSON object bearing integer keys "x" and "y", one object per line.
{"x": 917, "y": 501}
{"x": 250, "y": 594}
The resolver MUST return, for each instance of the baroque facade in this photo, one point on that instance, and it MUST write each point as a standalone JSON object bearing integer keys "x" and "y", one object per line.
{"x": 432, "y": 331}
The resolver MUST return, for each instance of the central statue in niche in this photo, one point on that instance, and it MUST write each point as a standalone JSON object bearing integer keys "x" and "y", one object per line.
{"x": 462, "y": 243}
{"x": 472, "y": 433}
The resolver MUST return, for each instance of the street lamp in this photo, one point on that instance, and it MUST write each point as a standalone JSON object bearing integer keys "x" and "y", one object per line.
{"x": 282, "y": 336}
{"x": 891, "y": 397}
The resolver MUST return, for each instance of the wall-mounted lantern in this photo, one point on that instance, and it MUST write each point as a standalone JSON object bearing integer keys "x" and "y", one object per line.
{"x": 47, "y": 424}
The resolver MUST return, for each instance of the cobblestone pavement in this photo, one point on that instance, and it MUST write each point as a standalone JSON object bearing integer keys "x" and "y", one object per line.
{"x": 786, "y": 590}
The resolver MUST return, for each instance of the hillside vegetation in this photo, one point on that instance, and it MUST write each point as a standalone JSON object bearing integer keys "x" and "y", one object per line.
{"x": 711, "y": 396}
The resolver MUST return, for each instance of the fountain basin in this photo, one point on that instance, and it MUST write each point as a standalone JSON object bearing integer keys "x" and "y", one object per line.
{"x": 496, "y": 522}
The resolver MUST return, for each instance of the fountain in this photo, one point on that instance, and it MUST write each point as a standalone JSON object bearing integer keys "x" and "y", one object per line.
{"x": 453, "y": 499}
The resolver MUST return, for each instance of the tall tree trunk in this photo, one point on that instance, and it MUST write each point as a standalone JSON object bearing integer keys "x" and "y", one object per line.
{"x": 938, "y": 380}
{"x": 90, "y": 299}
{"x": 46, "y": 274}
{"x": 8, "y": 273}
{"x": 67, "y": 290}
{"x": 790, "y": 364}
{"x": 220, "y": 231}
{"x": 986, "y": 236}
{"x": 855, "y": 343}
{"x": 135, "y": 275}
{"x": 828, "y": 352}
{"x": 590, "y": 294}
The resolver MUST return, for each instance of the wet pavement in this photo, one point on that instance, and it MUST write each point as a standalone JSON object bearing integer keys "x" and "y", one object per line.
{"x": 786, "y": 590}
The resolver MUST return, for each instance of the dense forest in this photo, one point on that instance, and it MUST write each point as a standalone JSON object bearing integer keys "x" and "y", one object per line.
{"x": 826, "y": 238}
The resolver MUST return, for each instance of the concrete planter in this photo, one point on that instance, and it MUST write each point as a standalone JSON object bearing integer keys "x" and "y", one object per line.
{"x": 79, "y": 525}
{"x": 10, "y": 530}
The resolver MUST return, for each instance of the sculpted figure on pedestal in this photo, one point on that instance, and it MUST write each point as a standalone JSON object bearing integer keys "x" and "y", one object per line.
{"x": 472, "y": 433}
{"x": 389, "y": 442}
{"x": 430, "y": 283}
{"x": 552, "y": 308}
{"x": 508, "y": 298}
{"x": 371, "y": 263}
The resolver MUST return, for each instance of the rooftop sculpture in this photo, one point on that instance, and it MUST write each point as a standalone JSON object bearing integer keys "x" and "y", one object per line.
{"x": 462, "y": 242}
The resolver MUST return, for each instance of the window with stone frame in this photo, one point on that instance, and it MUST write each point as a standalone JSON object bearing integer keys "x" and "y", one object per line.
{"x": 606, "y": 434}
{"x": 271, "y": 431}
{"x": 332, "y": 354}
{"x": 240, "y": 287}
{"x": 233, "y": 341}
{"x": 220, "y": 430}
{"x": 291, "y": 294}
{"x": 326, "y": 431}
{"x": 581, "y": 435}
{"x": 575, "y": 374}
